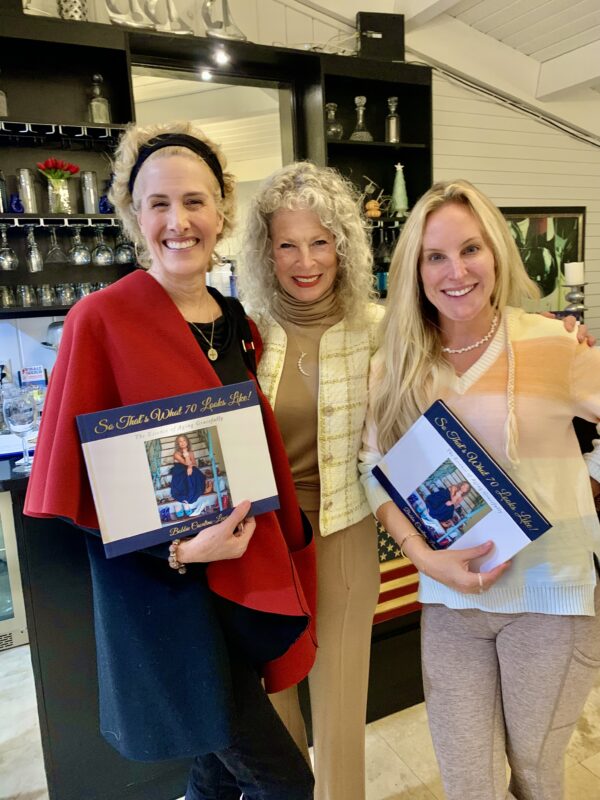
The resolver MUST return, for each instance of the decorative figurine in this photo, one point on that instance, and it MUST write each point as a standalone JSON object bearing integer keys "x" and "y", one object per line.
{"x": 399, "y": 201}
{"x": 15, "y": 204}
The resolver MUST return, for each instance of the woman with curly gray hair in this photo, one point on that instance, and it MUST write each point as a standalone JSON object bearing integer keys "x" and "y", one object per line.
{"x": 307, "y": 281}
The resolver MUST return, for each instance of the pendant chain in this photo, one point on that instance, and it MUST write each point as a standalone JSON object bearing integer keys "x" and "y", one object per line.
{"x": 212, "y": 352}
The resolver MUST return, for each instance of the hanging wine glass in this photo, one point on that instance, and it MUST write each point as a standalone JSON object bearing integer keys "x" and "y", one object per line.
{"x": 102, "y": 254}
{"x": 360, "y": 132}
{"x": 20, "y": 414}
{"x": 35, "y": 262}
{"x": 79, "y": 254}
{"x": 125, "y": 251}
{"x": 55, "y": 255}
{"x": 8, "y": 257}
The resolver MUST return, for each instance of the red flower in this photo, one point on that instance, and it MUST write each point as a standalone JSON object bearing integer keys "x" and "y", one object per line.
{"x": 56, "y": 168}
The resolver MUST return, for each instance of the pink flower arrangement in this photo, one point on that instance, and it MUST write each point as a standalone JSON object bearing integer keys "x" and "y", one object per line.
{"x": 55, "y": 169}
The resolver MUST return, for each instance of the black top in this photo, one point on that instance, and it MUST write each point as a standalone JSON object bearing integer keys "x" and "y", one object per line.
{"x": 226, "y": 340}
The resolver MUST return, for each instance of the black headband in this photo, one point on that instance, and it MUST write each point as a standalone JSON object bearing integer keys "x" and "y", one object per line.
{"x": 178, "y": 140}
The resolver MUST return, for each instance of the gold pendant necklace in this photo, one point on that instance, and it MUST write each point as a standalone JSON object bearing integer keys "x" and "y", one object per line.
{"x": 212, "y": 353}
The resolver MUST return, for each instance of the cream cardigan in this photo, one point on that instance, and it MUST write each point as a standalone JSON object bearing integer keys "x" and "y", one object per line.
{"x": 344, "y": 355}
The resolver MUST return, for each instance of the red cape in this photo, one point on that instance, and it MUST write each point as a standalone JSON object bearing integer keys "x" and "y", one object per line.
{"x": 129, "y": 344}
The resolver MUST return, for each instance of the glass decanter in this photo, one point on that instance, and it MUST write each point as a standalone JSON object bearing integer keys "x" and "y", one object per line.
{"x": 334, "y": 130}
{"x": 98, "y": 107}
{"x": 360, "y": 132}
{"x": 392, "y": 122}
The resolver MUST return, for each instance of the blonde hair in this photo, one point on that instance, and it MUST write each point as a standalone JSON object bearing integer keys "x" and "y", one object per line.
{"x": 125, "y": 158}
{"x": 335, "y": 201}
{"x": 413, "y": 364}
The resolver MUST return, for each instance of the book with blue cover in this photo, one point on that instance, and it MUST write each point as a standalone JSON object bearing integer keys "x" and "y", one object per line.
{"x": 454, "y": 493}
{"x": 166, "y": 469}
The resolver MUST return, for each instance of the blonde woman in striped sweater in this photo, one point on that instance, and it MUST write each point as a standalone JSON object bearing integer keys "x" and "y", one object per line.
{"x": 510, "y": 655}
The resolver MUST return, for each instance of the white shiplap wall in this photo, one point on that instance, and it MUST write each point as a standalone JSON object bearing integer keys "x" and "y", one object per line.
{"x": 518, "y": 161}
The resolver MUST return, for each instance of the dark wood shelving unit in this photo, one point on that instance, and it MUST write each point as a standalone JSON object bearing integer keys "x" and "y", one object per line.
{"x": 47, "y": 65}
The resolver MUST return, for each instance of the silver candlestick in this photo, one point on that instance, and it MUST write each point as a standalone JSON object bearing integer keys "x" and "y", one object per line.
{"x": 575, "y": 297}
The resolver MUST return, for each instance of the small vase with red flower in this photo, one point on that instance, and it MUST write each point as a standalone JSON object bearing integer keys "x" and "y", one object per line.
{"x": 57, "y": 173}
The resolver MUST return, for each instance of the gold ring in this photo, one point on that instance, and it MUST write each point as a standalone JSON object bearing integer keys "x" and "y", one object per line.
{"x": 481, "y": 589}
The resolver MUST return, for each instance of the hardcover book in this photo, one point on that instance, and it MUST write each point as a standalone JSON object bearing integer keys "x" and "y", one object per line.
{"x": 454, "y": 493}
{"x": 167, "y": 469}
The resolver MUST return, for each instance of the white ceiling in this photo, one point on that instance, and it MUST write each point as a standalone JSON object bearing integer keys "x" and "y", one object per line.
{"x": 562, "y": 35}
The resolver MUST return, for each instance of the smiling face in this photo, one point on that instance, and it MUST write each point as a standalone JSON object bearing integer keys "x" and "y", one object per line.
{"x": 304, "y": 253}
{"x": 457, "y": 267}
{"x": 178, "y": 215}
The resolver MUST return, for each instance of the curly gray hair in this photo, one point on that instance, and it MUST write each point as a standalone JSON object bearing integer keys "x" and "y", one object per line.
{"x": 335, "y": 201}
{"x": 125, "y": 158}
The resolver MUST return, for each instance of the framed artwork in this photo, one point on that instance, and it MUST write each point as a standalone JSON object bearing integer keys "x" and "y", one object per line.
{"x": 547, "y": 238}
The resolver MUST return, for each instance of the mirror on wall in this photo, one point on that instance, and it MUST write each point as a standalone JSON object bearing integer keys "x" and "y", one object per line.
{"x": 252, "y": 124}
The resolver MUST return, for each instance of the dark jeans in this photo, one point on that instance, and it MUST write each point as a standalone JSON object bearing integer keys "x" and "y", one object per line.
{"x": 263, "y": 762}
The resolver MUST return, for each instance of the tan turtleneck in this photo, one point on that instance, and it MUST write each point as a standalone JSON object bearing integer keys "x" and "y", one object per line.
{"x": 297, "y": 395}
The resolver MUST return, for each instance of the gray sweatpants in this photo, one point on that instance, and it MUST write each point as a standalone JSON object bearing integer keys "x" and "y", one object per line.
{"x": 511, "y": 684}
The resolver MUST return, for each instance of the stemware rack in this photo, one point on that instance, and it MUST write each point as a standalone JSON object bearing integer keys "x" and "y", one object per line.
{"x": 62, "y": 272}
{"x": 36, "y": 134}
{"x": 21, "y": 141}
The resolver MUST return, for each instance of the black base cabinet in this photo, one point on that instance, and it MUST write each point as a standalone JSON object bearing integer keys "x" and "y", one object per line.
{"x": 79, "y": 764}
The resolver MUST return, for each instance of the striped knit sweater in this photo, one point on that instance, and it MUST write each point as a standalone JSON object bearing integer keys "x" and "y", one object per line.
{"x": 551, "y": 380}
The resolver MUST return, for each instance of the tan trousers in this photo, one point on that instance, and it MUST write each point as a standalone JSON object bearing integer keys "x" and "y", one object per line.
{"x": 348, "y": 588}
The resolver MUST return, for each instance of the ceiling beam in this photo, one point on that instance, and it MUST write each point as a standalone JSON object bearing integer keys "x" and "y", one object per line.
{"x": 575, "y": 70}
{"x": 419, "y": 12}
{"x": 452, "y": 44}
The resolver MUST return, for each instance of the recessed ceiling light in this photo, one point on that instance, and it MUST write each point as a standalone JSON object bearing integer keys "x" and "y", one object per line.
{"x": 206, "y": 75}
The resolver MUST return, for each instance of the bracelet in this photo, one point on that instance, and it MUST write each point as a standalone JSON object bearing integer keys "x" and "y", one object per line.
{"x": 174, "y": 562}
{"x": 405, "y": 540}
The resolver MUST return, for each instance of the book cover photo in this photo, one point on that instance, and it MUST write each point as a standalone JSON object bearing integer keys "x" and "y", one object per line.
{"x": 169, "y": 468}
{"x": 454, "y": 493}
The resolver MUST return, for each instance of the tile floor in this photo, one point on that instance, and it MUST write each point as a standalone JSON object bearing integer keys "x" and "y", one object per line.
{"x": 400, "y": 760}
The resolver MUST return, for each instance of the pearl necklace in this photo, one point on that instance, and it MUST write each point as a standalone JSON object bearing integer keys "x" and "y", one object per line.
{"x": 486, "y": 338}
